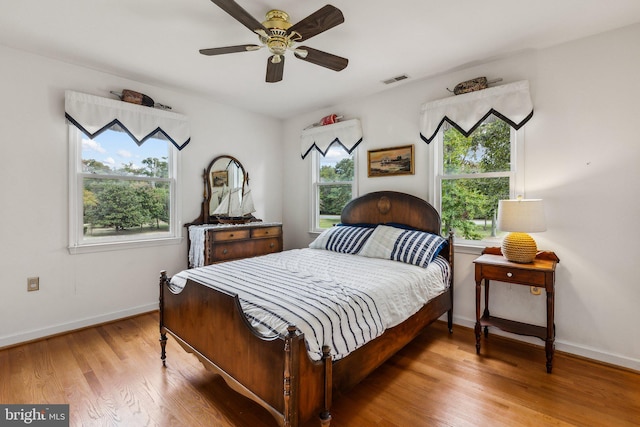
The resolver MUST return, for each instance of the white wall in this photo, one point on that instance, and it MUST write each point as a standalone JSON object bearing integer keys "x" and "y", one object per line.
{"x": 582, "y": 153}
{"x": 79, "y": 290}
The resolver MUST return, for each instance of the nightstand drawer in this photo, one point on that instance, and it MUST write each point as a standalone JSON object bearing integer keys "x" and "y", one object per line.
{"x": 230, "y": 235}
{"x": 514, "y": 275}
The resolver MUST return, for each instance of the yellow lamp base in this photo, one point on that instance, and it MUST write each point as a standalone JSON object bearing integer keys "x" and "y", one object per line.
{"x": 519, "y": 247}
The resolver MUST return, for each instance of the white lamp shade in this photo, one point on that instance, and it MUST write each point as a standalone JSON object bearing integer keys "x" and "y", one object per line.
{"x": 522, "y": 215}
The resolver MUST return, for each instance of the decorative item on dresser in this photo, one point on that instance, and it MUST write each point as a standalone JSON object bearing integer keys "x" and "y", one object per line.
{"x": 279, "y": 349}
{"x": 226, "y": 228}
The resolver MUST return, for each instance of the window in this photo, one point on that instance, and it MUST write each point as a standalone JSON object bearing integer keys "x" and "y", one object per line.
{"x": 334, "y": 185}
{"x": 121, "y": 192}
{"x": 472, "y": 174}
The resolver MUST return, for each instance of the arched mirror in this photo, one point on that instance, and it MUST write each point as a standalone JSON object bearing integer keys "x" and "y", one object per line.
{"x": 227, "y": 197}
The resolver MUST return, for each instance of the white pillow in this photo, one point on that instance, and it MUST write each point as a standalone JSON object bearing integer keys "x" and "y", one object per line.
{"x": 408, "y": 246}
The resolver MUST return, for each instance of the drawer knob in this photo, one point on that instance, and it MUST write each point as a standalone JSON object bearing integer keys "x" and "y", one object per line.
{"x": 231, "y": 235}
{"x": 271, "y": 245}
{"x": 225, "y": 251}
{"x": 509, "y": 274}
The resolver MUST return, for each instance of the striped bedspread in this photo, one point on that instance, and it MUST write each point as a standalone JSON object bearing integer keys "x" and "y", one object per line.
{"x": 339, "y": 300}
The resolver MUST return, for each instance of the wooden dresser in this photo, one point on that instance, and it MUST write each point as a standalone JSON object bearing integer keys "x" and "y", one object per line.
{"x": 226, "y": 243}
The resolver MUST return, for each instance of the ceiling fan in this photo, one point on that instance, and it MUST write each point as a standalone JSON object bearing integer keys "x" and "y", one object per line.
{"x": 278, "y": 35}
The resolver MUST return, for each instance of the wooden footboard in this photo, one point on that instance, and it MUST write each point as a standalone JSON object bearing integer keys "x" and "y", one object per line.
{"x": 275, "y": 372}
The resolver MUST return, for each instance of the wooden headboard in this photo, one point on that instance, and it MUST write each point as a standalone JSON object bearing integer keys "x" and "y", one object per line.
{"x": 392, "y": 207}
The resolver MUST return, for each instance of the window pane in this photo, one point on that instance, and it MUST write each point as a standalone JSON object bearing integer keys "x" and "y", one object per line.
{"x": 336, "y": 166}
{"x": 469, "y": 206}
{"x": 333, "y": 197}
{"x": 488, "y": 149}
{"x": 122, "y": 207}
{"x": 333, "y": 181}
{"x": 115, "y": 153}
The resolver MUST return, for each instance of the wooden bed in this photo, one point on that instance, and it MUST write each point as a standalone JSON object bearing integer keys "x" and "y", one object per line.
{"x": 277, "y": 373}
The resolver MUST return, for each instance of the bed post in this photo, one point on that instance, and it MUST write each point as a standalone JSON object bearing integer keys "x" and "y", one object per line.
{"x": 325, "y": 415}
{"x": 291, "y": 379}
{"x": 450, "y": 312}
{"x": 163, "y": 333}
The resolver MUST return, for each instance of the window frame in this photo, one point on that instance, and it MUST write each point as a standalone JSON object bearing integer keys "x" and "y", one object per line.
{"x": 314, "y": 219}
{"x": 78, "y": 244}
{"x": 515, "y": 175}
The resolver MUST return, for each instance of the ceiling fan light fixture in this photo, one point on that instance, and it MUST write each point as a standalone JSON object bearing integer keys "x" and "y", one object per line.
{"x": 276, "y": 59}
{"x": 278, "y": 41}
{"x": 277, "y": 45}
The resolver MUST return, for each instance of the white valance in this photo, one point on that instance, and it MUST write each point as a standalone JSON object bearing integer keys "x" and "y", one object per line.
{"x": 94, "y": 114}
{"x": 510, "y": 102}
{"x": 347, "y": 133}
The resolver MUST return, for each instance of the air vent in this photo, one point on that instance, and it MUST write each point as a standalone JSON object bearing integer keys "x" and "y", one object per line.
{"x": 395, "y": 79}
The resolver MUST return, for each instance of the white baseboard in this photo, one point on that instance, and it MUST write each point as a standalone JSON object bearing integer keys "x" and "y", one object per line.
{"x": 564, "y": 346}
{"x": 22, "y": 337}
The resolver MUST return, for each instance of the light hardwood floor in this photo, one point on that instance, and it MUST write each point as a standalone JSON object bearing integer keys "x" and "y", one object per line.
{"x": 111, "y": 375}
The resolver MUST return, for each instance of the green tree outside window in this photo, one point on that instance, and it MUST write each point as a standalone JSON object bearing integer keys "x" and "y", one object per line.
{"x": 475, "y": 176}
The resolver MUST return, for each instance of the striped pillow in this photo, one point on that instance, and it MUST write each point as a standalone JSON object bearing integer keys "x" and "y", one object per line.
{"x": 345, "y": 239}
{"x": 408, "y": 246}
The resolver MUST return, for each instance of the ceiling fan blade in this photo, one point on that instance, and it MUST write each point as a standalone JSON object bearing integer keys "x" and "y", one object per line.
{"x": 324, "y": 59}
{"x": 275, "y": 70}
{"x": 241, "y": 15}
{"x": 230, "y": 49}
{"x": 318, "y": 22}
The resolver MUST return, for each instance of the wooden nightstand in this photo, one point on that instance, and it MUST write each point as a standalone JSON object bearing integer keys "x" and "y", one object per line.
{"x": 541, "y": 273}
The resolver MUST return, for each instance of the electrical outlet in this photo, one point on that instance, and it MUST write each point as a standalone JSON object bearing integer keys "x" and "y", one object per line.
{"x": 536, "y": 290}
{"x": 33, "y": 284}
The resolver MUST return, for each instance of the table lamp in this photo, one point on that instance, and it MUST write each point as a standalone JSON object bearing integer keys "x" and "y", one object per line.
{"x": 520, "y": 216}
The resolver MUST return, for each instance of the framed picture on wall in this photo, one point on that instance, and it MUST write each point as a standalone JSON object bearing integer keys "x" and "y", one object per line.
{"x": 391, "y": 161}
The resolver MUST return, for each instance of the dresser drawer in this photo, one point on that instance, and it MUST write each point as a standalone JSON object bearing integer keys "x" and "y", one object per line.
{"x": 267, "y": 246}
{"x": 219, "y": 236}
{"x": 266, "y": 232}
{"x": 231, "y": 250}
{"x": 514, "y": 275}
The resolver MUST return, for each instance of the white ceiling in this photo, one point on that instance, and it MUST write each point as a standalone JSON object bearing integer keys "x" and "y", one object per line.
{"x": 157, "y": 41}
